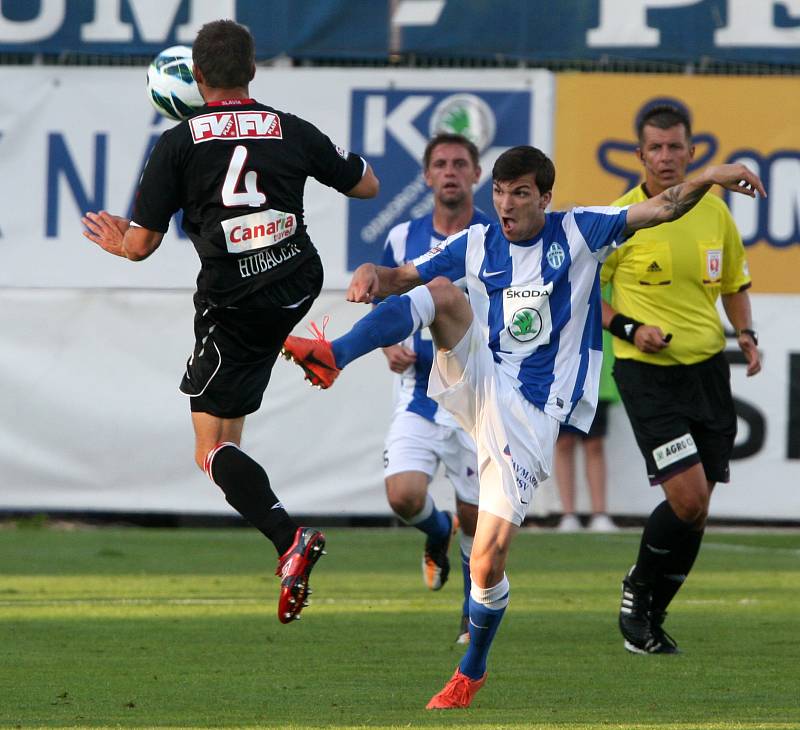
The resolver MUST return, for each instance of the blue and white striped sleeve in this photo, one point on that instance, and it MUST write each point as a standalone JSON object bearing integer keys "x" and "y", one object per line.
{"x": 388, "y": 257}
{"x": 394, "y": 250}
{"x": 447, "y": 259}
{"x": 602, "y": 227}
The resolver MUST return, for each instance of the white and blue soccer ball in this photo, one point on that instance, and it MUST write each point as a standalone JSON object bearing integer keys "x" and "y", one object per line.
{"x": 171, "y": 87}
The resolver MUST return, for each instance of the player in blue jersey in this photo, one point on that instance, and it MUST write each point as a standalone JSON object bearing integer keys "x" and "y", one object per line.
{"x": 422, "y": 434}
{"x": 517, "y": 359}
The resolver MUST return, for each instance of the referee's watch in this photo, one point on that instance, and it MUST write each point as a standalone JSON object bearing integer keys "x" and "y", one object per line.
{"x": 747, "y": 331}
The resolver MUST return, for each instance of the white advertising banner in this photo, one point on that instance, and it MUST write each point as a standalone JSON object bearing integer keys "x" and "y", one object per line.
{"x": 92, "y": 419}
{"x": 76, "y": 139}
{"x": 94, "y": 346}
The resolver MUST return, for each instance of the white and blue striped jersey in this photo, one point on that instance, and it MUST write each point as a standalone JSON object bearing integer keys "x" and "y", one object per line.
{"x": 538, "y": 303}
{"x": 405, "y": 242}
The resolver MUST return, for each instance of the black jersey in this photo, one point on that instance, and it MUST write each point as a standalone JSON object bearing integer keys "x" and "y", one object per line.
{"x": 237, "y": 168}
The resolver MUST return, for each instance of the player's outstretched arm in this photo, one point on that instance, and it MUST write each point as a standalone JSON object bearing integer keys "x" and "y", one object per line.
{"x": 117, "y": 236}
{"x": 681, "y": 198}
{"x": 370, "y": 281}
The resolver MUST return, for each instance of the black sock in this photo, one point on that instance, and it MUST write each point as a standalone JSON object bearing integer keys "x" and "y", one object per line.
{"x": 675, "y": 570}
{"x": 246, "y": 488}
{"x": 663, "y": 532}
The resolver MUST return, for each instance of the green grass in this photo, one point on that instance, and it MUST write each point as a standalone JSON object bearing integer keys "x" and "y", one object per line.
{"x": 177, "y": 628}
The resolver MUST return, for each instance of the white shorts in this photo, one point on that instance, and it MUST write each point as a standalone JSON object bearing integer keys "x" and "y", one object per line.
{"x": 515, "y": 439}
{"x": 416, "y": 444}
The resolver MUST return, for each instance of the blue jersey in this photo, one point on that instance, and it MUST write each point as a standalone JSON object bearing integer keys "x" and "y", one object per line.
{"x": 405, "y": 242}
{"x": 538, "y": 303}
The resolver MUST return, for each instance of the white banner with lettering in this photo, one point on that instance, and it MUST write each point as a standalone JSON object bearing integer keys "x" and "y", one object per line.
{"x": 91, "y": 419}
{"x": 76, "y": 139}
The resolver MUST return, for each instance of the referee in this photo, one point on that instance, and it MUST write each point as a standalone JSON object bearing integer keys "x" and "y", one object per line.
{"x": 670, "y": 368}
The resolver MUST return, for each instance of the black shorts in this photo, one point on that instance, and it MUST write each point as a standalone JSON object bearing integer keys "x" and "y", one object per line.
{"x": 236, "y": 347}
{"x": 681, "y": 415}
{"x": 599, "y": 427}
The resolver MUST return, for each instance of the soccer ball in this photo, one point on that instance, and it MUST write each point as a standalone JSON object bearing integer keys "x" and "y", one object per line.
{"x": 171, "y": 87}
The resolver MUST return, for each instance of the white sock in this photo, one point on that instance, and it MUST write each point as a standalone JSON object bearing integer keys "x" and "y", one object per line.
{"x": 495, "y": 597}
{"x": 423, "y": 309}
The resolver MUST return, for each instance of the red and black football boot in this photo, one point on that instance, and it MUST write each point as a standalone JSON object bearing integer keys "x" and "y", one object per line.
{"x": 315, "y": 356}
{"x": 294, "y": 567}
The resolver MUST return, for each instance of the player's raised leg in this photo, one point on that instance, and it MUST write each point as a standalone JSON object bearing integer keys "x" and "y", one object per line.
{"x": 247, "y": 489}
{"x": 438, "y": 304}
{"x": 394, "y": 319}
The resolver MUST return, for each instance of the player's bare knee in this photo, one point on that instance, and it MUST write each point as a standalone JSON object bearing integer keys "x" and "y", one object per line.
{"x": 404, "y": 503}
{"x": 479, "y": 568}
{"x": 487, "y": 570}
{"x": 445, "y": 294}
{"x": 405, "y": 506}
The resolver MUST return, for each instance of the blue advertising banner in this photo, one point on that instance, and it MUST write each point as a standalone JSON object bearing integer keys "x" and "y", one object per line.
{"x": 681, "y": 31}
{"x": 678, "y": 31}
{"x": 323, "y": 28}
{"x": 391, "y": 128}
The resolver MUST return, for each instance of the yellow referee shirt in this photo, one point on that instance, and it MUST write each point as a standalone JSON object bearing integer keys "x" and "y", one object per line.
{"x": 671, "y": 275}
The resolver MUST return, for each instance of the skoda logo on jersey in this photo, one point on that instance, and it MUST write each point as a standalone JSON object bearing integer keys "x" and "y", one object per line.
{"x": 526, "y": 324}
{"x": 467, "y": 115}
{"x": 555, "y": 255}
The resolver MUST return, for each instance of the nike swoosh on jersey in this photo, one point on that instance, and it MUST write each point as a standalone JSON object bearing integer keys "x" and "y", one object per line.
{"x": 487, "y": 274}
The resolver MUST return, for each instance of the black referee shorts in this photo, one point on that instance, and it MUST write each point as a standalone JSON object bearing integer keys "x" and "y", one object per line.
{"x": 236, "y": 347}
{"x": 681, "y": 415}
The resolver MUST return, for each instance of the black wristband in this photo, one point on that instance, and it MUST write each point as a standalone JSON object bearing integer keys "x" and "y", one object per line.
{"x": 747, "y": 331}
{"x": 623, "y": 327}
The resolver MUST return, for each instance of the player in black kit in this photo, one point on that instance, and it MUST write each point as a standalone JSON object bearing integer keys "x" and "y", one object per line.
{"x": 237, "y": 168}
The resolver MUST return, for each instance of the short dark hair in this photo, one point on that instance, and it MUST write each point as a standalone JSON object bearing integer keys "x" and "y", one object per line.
{"x": 450, "y": 138}
{"x": 663, "y": 116}
{"x": 225, "y": 53}
{"x": 525, "y": 160}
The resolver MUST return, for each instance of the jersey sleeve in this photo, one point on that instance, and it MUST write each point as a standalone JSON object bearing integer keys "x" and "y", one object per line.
{"x": 158, "y": 194}
{"x": 388, "y": 258}
{"x": 331, "y": 165}
{"x": 447, "y": 259}
{"x": 602, "y": 227}
{"x": 609, "y": 267}
{"x": 735, "y": 272}
{"x": 394, "y": 248}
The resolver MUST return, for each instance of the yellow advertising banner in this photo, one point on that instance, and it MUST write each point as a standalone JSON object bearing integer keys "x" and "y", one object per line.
{"x": 746, "y": 119}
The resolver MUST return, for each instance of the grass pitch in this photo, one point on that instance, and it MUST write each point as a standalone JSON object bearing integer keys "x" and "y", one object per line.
{"x": 178, "y": 628}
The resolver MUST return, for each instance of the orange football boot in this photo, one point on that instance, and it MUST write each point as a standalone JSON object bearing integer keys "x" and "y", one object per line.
{"x": 457, "y": 693}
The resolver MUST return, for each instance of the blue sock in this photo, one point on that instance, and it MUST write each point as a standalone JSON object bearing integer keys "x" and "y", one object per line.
{"x": 484, "y": 621}
{"x": 467, "y": 582}
{"x": 437, "y": 526}
{"x": 389, "y": 323}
